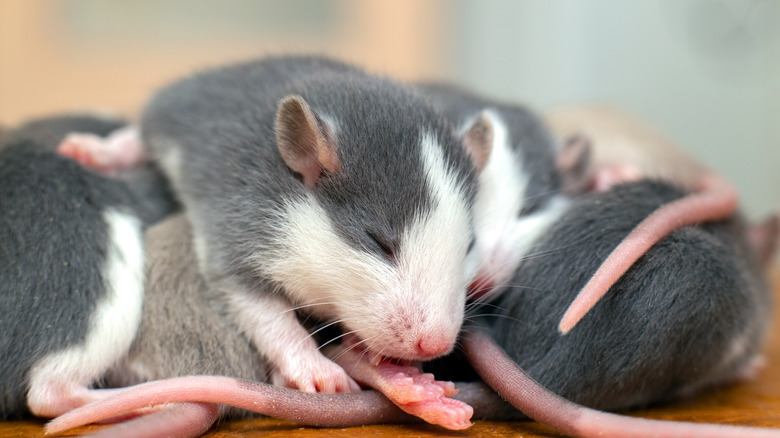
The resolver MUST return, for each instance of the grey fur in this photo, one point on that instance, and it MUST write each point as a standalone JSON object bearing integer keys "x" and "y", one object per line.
{"x": 47, "y": 133}
{"x": 53, "y": 243}
{"x": 668, "y": 328}
{"x": 183, "y": 330}
{"x": 236, "y": 182}
{"x": 528, "y": 137}
{"x": 153, "y": 197}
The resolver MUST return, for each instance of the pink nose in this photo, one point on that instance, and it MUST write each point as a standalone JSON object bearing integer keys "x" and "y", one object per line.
{"x": 433, "y": 346}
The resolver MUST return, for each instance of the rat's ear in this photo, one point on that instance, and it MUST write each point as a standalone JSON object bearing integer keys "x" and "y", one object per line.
{"x": 305, "y": 142}
{"x": 575, "y": 164}
{"x": 478, "y": 139}
{"x": 764, "y": 238}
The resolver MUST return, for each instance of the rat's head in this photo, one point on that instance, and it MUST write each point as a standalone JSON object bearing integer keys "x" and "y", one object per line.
{"x": 379, "y": 237}
{"x": 518, "y": 196}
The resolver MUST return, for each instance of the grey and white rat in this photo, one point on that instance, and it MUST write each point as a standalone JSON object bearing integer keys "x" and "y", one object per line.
{"x": 520, "y": 165}
{"x": 519, "y": 191}
{"x": 313, "y": 185}
{"x": 71, "y": 268}
{"x": 625, "y": 149}
{"x": 184, "y": 331}
{"x": 692, "y": 312}
{"x": 176, "y": 267}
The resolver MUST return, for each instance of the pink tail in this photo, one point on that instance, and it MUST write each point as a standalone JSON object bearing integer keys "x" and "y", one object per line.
{"x": 716, "y": 199}
{"x": 180, "y": 420}
{"x": 325, "y": 410}
{"x": 501, "y": 373}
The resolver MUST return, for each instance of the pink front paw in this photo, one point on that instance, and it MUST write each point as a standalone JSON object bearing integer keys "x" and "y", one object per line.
{"x": 406, "y": 384}
{"x": 316, "y": 374}
{"x": 446, "y": 412}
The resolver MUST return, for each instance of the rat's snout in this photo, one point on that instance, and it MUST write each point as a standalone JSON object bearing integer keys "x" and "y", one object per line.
{"x": 432, "y": 346}
{"x": 424, "y": 337}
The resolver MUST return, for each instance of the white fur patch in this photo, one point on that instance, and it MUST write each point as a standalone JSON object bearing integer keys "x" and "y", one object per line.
{"x": 391, "y": 305}
{"x": 112, "y": 327}
{"x": 503, "y": 236}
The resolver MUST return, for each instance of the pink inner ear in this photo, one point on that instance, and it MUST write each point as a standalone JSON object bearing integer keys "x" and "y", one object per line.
{"x": 764, "y": 239}
{"x": 305, "y": 143}
{"x": 478, "y": 140}
{"x": 311, "y": 174}
{"x": 575, "y": 164}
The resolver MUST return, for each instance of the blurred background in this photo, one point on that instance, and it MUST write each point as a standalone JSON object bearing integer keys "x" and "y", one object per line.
{"x": 706, "y": 72}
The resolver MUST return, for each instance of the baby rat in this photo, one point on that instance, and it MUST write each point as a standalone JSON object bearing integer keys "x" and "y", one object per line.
{"x": 69, "y": 134}
{"x": 171, "y": 274}
{"x": 71, "y": 265}
{"x": 519, "y": 190}
{"x": 624, "y": 149}
{"x": 312, "y": 185}
{"x": 520, "y": 162}
{"x": 690, "y": 314}
{"x": 184, "y": 331}
{"x": 575, "y": 420}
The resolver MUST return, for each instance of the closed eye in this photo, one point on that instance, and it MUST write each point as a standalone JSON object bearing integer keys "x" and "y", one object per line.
{"x": 530, "y": 207}
{"x": 385, "y": 247}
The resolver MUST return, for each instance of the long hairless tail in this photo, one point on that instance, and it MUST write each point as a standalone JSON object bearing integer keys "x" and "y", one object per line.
{"x": 325, "y": 410}
{"x": 714, "y": 199}
{"x": 520, "y": 390}
{"x": 178, "y": 420}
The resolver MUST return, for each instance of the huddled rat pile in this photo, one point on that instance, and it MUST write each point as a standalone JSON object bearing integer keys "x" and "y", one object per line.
{"x": 318, "y": 198}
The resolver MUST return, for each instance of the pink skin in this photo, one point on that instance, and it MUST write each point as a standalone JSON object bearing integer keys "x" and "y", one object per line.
{"x": 60, "y": 397}
{"x": 405, "y": 385}
{"x": 715, "y": 199}
{"x": 316, "y": 409}
{"x": 179, "y": 420}
{"x": 501, "y": 373}
{"x": 121, "y": 150}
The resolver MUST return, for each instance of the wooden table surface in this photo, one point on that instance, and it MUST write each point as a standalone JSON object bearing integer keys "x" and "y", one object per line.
{"x": 754, "y": 403}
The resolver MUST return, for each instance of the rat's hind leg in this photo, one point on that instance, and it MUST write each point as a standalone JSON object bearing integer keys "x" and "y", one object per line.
{"x": 120, "y": 150}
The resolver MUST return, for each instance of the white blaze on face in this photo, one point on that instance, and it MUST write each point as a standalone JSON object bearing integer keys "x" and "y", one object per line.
{"x": 409, "y": 308}
{"x": 503, "y": 237}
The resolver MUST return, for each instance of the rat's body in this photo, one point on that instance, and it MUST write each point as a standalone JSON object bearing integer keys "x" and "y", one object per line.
{"x": 588, "y": 378}
{"x": 624, "y": 149}
{"x": 310, "y": 183}
{"x": 71, "y": 269}
{"x": 691, "y": 313}
{"x": 183, "y": 330}
{"x": 519, "y": 190}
